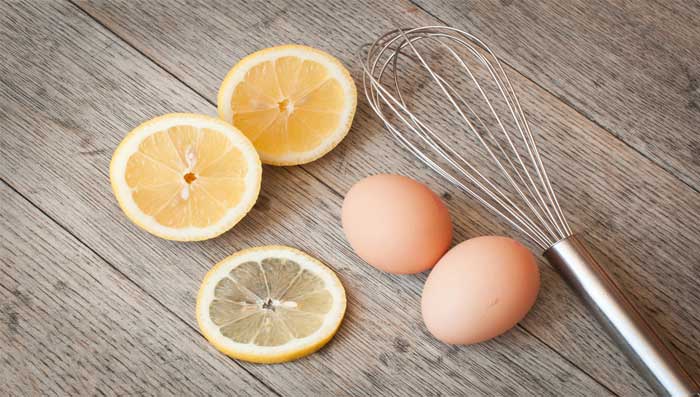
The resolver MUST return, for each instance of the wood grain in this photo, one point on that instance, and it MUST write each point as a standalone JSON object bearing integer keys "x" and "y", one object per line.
{"x": 70, "y": 90}
{"x": 72, "y": 325}
{"x": 633, "y": 210}
{"x": 631, "y": 67}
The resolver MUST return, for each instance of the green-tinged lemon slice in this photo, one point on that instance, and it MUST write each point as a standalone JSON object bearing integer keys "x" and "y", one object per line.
{"x": 270, "y": 304}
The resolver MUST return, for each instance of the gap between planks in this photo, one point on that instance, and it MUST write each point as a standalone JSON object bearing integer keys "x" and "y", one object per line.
{"x": 126, "y": 277}
{"x": 330, "y": 188}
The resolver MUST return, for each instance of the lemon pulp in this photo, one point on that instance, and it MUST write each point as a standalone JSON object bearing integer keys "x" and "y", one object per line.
{"x": 269, "y": 303}
{"x": 186, "y": 176}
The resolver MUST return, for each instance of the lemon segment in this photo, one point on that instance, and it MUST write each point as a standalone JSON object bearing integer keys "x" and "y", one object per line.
{"x": 270, "y": 304}
{"x": 185, "y": 176}
{"x": 295, "y": 103}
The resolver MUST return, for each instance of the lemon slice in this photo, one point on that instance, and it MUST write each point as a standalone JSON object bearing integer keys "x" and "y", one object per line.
{"x": 270, "y": 304}
{"x": 295, "y": 103}
{"x": 185, "y": 176}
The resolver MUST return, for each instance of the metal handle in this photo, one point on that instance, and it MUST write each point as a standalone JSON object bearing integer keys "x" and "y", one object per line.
{"x": 635, "y": 336}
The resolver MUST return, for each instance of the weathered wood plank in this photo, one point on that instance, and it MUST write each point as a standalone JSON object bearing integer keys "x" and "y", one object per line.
{"x": 70, "y": 90}
{"x": 633, "y": 209}
{"x": 72, "y": 325}
{"x": 631, "y": 67}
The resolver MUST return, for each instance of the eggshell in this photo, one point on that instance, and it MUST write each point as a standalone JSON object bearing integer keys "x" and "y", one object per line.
{"x": 396, "y": 224}
{"x": 480, "y": 289}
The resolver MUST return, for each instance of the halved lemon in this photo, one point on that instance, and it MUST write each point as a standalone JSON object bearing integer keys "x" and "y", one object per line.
{"x": 295, "y": 103}
{"x": 185, "y": 176}
{"x": 270, "y": 304}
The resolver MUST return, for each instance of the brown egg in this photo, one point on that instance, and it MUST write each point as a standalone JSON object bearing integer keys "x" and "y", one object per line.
{"x": 480, "y": 289}
{"x": 396, "y": 224}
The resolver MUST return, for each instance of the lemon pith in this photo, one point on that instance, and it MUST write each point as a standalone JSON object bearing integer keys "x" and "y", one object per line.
{"x": 270, "y": 304}
{"x": 295, "y": 103}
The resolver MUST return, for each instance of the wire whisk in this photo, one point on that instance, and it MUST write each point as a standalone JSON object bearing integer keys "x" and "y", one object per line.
{"x": 539, "y": 215}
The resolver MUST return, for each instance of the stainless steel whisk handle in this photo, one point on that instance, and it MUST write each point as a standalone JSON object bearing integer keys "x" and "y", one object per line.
{"x": 621, "y": 319}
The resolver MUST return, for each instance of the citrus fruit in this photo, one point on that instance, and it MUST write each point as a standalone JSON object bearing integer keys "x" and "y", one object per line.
{"x": 185, "y": 176}
{"x": 270, "y": 304}
{"x": 295, "y": 103}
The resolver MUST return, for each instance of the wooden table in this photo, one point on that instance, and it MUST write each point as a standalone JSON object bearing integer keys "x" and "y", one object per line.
{"x": 91, "y": 305}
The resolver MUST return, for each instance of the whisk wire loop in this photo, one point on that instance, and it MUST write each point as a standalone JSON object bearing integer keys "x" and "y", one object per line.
{"x": 516, "y": 186}
{"x": 393, "y": 103}
{"x": 538, "y": 215}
